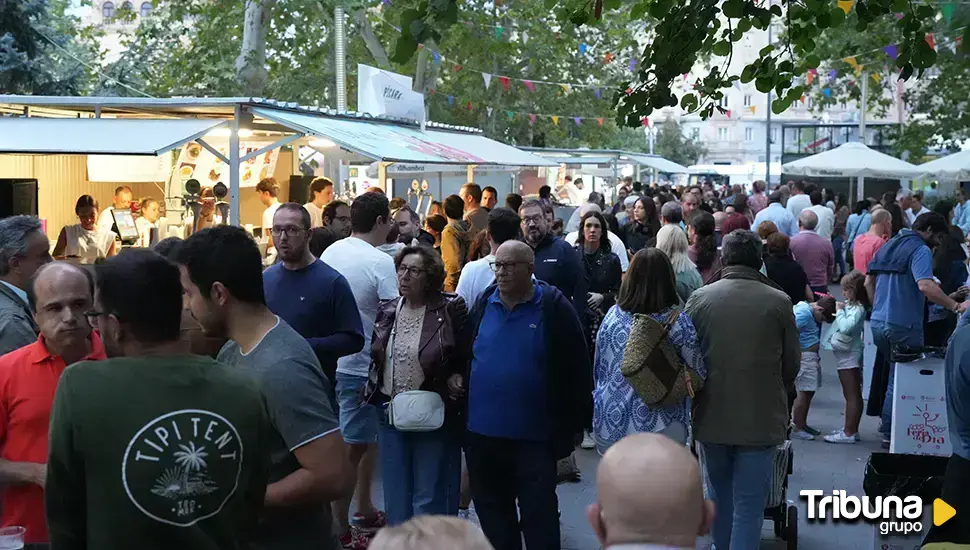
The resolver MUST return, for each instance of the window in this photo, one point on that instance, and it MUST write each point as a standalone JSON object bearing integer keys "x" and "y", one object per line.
{"x": 127, "y": 7}
{"x": 695, "y": 133}
{"x": 146, "y": 9}
{"x": 811, "y": 102}
{"x": 722, "y": 134}
{"x": 747, "y": 100}
{"x": 723, "y": 102}
{"x": 108, "y": 10}
{"x": 774, "y": 135}
{"x": 749, "y": 134}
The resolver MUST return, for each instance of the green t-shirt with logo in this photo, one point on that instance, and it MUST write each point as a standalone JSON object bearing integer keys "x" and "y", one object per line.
{"x": 156, "y": 453}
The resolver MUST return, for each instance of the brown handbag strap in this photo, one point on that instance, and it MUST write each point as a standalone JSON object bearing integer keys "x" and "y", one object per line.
{"x": 671, "y": 319}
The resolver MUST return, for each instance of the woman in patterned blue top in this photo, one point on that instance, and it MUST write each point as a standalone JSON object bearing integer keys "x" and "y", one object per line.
{"x": 649, "y": 288}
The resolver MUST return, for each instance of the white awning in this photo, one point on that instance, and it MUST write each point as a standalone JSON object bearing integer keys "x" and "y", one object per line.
{"x": 395, "y": 143}
{"x": 659, "y": 163}
{"x": 99, "y": 136}
{"x": 951, "y": 167}
{"x": 852, "y": 160}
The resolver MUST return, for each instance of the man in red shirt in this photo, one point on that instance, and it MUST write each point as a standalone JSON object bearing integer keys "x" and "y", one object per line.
{"x": 61, "y": 296}
{"x": 865, "y": 246}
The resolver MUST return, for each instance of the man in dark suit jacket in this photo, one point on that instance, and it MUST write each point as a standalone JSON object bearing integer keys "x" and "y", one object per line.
{"x": 23, "y": 248}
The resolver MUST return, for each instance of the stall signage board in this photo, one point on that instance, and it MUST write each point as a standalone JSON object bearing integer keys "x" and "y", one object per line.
{"x": 197, "y": 162}
{"x": 382, "y": 92}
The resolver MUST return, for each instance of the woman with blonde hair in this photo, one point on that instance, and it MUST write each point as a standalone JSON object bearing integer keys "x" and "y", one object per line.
{"x": 672, "y": 241}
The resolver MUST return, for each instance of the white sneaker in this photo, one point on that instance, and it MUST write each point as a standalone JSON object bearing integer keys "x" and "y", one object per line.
{"x": 588, "y": 442}
{"x": 841, "y": 437}
{"x": 802, "y": 434}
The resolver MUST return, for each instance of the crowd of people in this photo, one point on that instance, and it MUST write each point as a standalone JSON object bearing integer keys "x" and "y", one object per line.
{"x": 470, "y": 351}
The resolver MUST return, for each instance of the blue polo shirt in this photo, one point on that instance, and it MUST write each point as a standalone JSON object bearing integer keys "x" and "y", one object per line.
{"x": 507, "y": 386}
{"x": 898, "y": 300}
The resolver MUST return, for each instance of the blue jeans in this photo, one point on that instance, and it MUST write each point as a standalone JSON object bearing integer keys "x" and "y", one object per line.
{"x": 837, "y": 244}
{"x": 421, "y": 472}
{"x": 739, "y": 478}
{"x": 885, "y": 336}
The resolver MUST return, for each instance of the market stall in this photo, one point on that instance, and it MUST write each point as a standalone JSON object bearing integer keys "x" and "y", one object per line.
{"x": 853, "y": 160}
{"x": 955, "y": 167}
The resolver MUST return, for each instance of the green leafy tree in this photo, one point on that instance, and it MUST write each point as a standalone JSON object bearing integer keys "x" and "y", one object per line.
{"x": 691, "y": 31}
{"x": 44, "y": 50}
{"x": 673, "y": 145}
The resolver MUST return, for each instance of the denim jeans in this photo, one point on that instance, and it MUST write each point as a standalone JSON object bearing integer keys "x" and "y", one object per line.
{"x": 739, "y": 478}
{"x": 421, "y": 472}
{"x": 885, "y": 336}
{"x": 837, "y": 244}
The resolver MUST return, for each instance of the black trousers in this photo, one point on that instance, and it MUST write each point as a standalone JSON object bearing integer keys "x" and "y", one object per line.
{"x": 503, "y": 471}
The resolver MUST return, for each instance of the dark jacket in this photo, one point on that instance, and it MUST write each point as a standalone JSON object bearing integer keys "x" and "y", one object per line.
{"x": 17, "y": 327}
{"x": 441, "y": 352}
{"x": 558, "y": 264}
{"x": 568, "y": 367}
{"x": 637, "y": 236}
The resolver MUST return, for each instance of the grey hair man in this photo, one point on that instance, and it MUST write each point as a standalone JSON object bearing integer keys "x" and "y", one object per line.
{"x": 23, "y": 249}
{"x": 672, "y": 213}
{"x": 813, "y": 252}
{"x": 743, "y": 411}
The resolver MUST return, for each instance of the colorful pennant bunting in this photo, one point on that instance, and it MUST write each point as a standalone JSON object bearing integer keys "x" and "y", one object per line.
{"x": 891, "y": 51}
{"x": 505, "y": 82}
{"x": 510, "y": 114}
{"x": 846, "y": 6}
{"x": 530, "y": 85}
{"x": 930, "y": 40}
{"x": 488, "y": 79}
{"x": 555, "y": 120}
{"x": 578, "y": 120}
{"x": 599, "y": 121}
{"x": 532, "y": 118}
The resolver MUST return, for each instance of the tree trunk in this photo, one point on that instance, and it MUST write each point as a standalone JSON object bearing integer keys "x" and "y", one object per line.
{"x": 373, "y": 44}
{"x": 251, "y": 63}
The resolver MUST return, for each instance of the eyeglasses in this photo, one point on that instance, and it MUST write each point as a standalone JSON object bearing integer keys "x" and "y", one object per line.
{"x": 412, "y": 272}
{"x": 290, "y": 231}
{"x": 508, "y": 267}
{"x": 534, "y": 219}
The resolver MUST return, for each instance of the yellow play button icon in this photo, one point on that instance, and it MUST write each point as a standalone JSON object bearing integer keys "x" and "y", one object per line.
{"x": 942, "y": 512}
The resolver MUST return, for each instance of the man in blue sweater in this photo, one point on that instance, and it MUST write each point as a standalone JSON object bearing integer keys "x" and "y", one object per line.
{"x": 310, "y": 295}
{"x": 556, "y": 262}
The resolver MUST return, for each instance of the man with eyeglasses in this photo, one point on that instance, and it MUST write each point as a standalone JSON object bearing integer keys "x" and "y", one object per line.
{"x": 311, "y": 296}
{"x": 529, "y": 392}
{"x": 556, "y": 261}
{"x": 62, "y": 295}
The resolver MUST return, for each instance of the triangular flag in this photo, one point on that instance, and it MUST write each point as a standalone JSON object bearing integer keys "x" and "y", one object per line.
{"x": 645, "y": 121}
{"x": 891, "y": 51}
{"x": 846, "y": 6}
{"x": 437, "y": 58}
{"x": 827, "y": 92}
{"x": 754, "y": 109}
{"x": 877, "y": 77}
{"x": 525, "y": 37}
{"x": 802, "y": 99}
{"x": 498, "y": 31}
{"x": 854, "y": 64}
{"x": 555, "y": 120}
{"x": 809, "y": 78}
{"x": 387, "y": 2}
{"x": 582, "y": 49}
{"x": 458, "y": 68}
{"x": 728, "y": 113}
{"x": 451, "y": 100}
{"x": 565, "y": 88}
{"x": 469, "y": 105}
{"x": 505, "y": 82}
{"x": 489, "y": 109}
{"x": 577, "y": 120}
{"x": 532, "y": 118}
{"x": 930, "y": 40}
{"x": 631, "y": 65}
{"x": 947, "y": 10}
{"x": 833, "y": 74}
{"x": 488, "y": 79}
{"x": 530, "y": 85}
{"x": 510, "y": 114}
{"x": 629, "y": 91}
{"x": 607, "y": 58}
{"x": 599, "y": 121}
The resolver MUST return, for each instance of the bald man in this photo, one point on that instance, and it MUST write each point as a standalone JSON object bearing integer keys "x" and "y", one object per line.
{"x": 813, "y": 252}
{"x": 61, "y": 295}
{"x": 529, "y": 395}
{"x": 649, "y": 496}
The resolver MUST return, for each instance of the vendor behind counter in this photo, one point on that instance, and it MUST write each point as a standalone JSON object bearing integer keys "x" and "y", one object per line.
{"x": 85, "y": 242}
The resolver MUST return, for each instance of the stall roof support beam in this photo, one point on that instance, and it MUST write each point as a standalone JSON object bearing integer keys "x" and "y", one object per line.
{"x": 212, "y": 150}
{"x": 234, "y": 203}
{"x": 285, "y": 141}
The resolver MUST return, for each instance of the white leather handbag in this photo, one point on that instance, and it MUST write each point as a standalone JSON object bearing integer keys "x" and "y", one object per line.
{"x": 412, "y": 410}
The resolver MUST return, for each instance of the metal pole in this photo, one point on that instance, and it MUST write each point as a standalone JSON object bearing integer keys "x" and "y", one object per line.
{"x": 234, "y": 209}
{"x": 768, "y": 127}
{"x": 341, "y": 61}
{"x": 860, "y": 185}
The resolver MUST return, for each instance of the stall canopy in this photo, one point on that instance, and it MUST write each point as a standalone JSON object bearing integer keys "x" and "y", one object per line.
{"x": 658, "y": 163}
{"x": 852, "y": 160}
{"x": 396, "y": 143}
{"x": 607, "y": 156}
{"x": 951, "y": 167}
{"x": 99, "y": 136}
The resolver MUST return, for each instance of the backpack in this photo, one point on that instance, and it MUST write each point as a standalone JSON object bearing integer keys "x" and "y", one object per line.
{"x": 652, "y": 366}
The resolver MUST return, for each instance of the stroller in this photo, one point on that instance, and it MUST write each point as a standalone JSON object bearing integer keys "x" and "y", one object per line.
{"x": 780, "y": 510}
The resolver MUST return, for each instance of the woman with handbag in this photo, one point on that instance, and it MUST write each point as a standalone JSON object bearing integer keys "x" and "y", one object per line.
{"x": 844, "y": 339}
{"x": 415, "y": 379}
{"x": 648, "y": 297}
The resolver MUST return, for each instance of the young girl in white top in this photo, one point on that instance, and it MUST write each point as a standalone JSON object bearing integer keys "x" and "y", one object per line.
{"x": 844, "y": 339}
{"x": 85, "y": 242}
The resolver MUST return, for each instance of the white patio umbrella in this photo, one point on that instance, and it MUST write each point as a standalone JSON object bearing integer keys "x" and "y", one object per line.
{"x": 951, "y": 167}
{"x": 853, "y": 160}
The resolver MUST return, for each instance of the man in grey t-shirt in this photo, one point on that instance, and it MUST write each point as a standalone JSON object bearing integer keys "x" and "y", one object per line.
{"x": 222, "y": 277}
